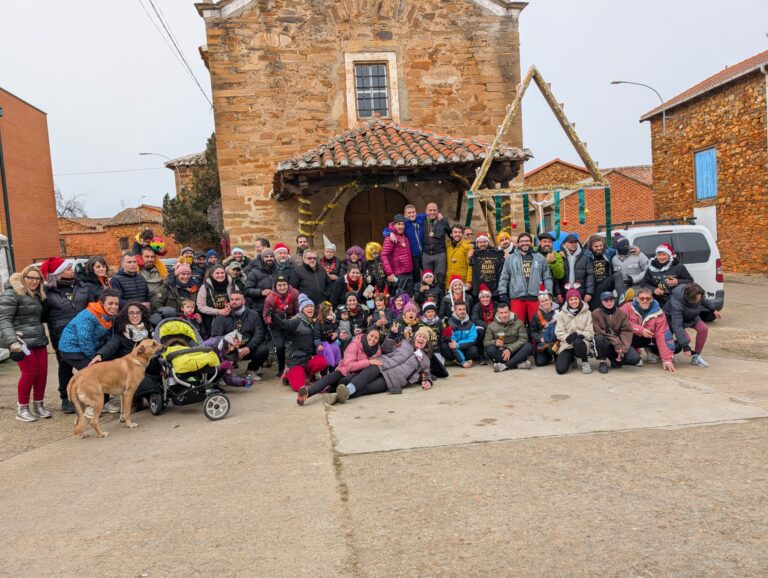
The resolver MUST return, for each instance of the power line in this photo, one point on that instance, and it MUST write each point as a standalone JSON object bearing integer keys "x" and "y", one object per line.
{"x": 160, "y": 32}
{"x": 167, "y": 29}
{"x": 106, "y": 172}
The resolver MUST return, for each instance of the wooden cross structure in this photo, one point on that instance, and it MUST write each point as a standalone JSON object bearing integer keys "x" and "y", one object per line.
{"x": 483, "y": 195}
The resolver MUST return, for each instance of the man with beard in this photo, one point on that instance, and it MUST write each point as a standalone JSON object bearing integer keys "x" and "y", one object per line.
{"x": 260, "y": 280}
{"x": 522, "y": 276}
{"x": 283, "y": 261}
{"x": 457, "y": 257}
{"x": 352, "y": 282}
{"x": 486, "y": 263}
{"x": 632, "y": 265}
{"x": 613, "y": 335}
{"x": 605, "y": 278}
{"x": 249, "y": 324}
{"x": 310, "y": 279}
{"x": 554, "y": 259}
{"x": 504, "y": 243}
{"x": 302, "y": 244}
{"x": 578, "y": 270}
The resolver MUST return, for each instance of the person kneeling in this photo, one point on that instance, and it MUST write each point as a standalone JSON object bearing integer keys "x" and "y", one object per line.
{"x": 506, "y": 341}
{"x": 575, "y": 332}
{"x": 460, "y": 337}
{"x": 613, "y": 335}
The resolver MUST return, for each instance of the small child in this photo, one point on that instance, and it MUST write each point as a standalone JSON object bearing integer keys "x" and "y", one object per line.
{"x": 345, "y": 325}
{"x": 380, "y": 315}
{"x": 187, "y": 307}
{"x": 226, "y": 347}
{"x": 542, "y": 330}
{"x": 328, "y": 327}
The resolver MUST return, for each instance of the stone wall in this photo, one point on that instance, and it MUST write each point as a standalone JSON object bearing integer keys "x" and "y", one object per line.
{"x": 732, "y": 119}
{"x": 279, "y": 86}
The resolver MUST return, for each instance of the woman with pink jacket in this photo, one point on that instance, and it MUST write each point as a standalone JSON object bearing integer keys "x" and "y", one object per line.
{"x": 650, "y": 329}
{"x": 396, "y": 256}
{"x": 357, "y": 356}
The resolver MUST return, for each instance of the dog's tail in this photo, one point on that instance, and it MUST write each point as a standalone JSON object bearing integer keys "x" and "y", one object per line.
{"x": 73, "y": 397}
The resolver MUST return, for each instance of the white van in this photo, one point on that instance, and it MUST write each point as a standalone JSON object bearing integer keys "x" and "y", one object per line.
{"x": 694, "y": 246}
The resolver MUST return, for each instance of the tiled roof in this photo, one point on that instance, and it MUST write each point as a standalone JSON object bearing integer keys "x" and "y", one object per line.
{"x": 136, "y": 216}
{"x": 192, "y": 160}
{"x": 555, "y": 161}
{"x": 96, "y": 223}
{"x": 641, "y": 173}
{"x": 384, "y": 144}
{"x": 722, "y": 77}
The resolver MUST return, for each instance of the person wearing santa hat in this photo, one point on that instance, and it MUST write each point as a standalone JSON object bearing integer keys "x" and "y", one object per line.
{"x": 457, "y": 292}
{"x": 486, "y": 263}
{"x": 521, "y": 276}
{"x": 665, "y": 272}
{"x": 66, "y": 296}
{"x": 483, "y": 312}
{"x": 283, "y": 261}
{"x": 428, "y": 289}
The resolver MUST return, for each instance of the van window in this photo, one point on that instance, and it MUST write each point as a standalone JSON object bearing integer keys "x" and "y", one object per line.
{"x": 692, "y": 248}
{"x": 648, "y": 243}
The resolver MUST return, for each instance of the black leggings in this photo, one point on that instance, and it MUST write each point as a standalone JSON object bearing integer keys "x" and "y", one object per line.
{"x": 65, "y": 374}
{"x": 278, "y": 340}
{"x": 543, "y": 357}
{"x": 565, "y": 358}
{"x": 369, "y": 381}
{"x": 330, "y": 381}
{"x": 606, "y": 351}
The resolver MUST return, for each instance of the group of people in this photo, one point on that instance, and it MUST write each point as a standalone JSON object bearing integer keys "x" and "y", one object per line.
{"x": 399, "y": 311}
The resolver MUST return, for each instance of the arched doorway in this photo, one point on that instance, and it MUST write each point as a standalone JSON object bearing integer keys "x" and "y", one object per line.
{"x": 369, "y": 212}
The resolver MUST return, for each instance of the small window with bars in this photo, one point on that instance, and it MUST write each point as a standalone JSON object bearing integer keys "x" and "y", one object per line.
{"x": 371, "y": 90}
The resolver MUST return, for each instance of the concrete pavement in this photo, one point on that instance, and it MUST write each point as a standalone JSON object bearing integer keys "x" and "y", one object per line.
{"x": 636, "y": 473}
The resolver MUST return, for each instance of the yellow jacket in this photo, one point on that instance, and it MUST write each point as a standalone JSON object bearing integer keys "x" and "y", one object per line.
{"x": 457, "y": 261}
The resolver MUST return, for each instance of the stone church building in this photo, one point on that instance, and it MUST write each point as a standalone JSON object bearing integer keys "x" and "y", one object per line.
{"x": 331, "y": 115}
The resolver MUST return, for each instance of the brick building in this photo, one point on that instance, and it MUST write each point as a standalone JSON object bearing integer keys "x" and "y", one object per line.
{"x": 351, "y": 102}
{"x": 711, "y": 160}
{"x": 631, "y": 196}
{"x": 183, "y": 170}
{"x": 111, "y": 236}
{"x": 29, "y": 178}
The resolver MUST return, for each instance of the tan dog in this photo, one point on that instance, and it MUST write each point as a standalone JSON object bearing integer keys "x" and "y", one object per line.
{"x": 117, "y": 377}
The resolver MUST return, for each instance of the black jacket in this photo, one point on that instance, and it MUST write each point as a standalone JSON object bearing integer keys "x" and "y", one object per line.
{"x": 303, "y": 335}
{"x": 681, "y": 314}
{"x": 477, "y": 315}
{"x": 61, "y": 305}
{"x": 259, "y": 278}
{"x": 314, "y": 284}
{"x": 584, "y": 267}
{"x": 21, "y": 313}
{"x": 95, "y": 287}
{"x": 249, "y": 325}
{"x": 130, "y": 287}
{"x": 435, "y": 243}
{"x": 656, "y": 276}
{"x": 433, "y": 293}
{"x": 339, "y": 290}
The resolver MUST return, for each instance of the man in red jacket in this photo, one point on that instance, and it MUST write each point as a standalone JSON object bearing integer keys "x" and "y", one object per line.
{"x": 396, "y": 256}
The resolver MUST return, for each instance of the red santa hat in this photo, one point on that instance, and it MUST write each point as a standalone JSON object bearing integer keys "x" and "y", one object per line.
{"x": 482, "y": 236}
{"x": 666, "y": 248}
{"x": 543, "y": 289}
{"x": 55, "y": 266}
{"x": 427, "y": 272}
{"x": 484, "y": 290}
{"x": 455, "y": 278}
{"x": 280, "y": 246}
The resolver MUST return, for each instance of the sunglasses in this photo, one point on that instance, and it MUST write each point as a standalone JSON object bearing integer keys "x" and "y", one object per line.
{"x": 311, "y": 258}
{"x": 645, "y": 298}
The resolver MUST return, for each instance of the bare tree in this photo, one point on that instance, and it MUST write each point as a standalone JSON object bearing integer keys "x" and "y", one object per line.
{"x": 69, "y": 206}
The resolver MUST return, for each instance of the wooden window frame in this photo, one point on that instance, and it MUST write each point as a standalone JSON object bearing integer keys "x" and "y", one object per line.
{"x": 700, "y": 199}
{"x": 387, "y": 58}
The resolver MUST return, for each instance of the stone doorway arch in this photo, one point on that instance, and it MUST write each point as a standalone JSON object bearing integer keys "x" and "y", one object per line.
{"x": 369, "y": 212}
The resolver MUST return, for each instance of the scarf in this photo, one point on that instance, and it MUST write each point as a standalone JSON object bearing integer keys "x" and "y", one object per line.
{"x": 352, "y": 288}
{"x": 219, "y": 286}
{"x": 97, "y": 310}
{"x": 330, "y": 266}
{"x": 571, "y": 264}
{"x": 369, "y": 351}
{"x": 136, "y": 332}
{"x": 575, "y": 311}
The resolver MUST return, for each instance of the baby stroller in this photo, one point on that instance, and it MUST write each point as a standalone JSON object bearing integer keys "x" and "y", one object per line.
{"x": 189, "y": 371}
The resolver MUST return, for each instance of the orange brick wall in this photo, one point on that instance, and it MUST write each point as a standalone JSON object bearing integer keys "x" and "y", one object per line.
{"x": 24, "y": 130}
{"x": 733, "y": 120}
{"x": 556, "y": 174}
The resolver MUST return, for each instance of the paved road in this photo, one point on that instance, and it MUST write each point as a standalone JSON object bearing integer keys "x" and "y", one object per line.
{"x": 631, "y": 474}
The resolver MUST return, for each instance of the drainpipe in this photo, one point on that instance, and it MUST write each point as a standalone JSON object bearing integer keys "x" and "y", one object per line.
{"x": 765, "y": 73}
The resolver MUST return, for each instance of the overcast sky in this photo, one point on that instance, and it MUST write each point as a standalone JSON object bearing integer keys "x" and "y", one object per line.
{"x": 113, "y": 89}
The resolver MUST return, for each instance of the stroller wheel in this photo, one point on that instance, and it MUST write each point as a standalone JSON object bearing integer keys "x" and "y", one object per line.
{"x": 156, "y": 405}
{"x": 216, "y": 406}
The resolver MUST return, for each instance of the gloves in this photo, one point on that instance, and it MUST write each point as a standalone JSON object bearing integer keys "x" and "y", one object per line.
{"x": 571, "y": 338}
{"x": 503, "y": 298}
